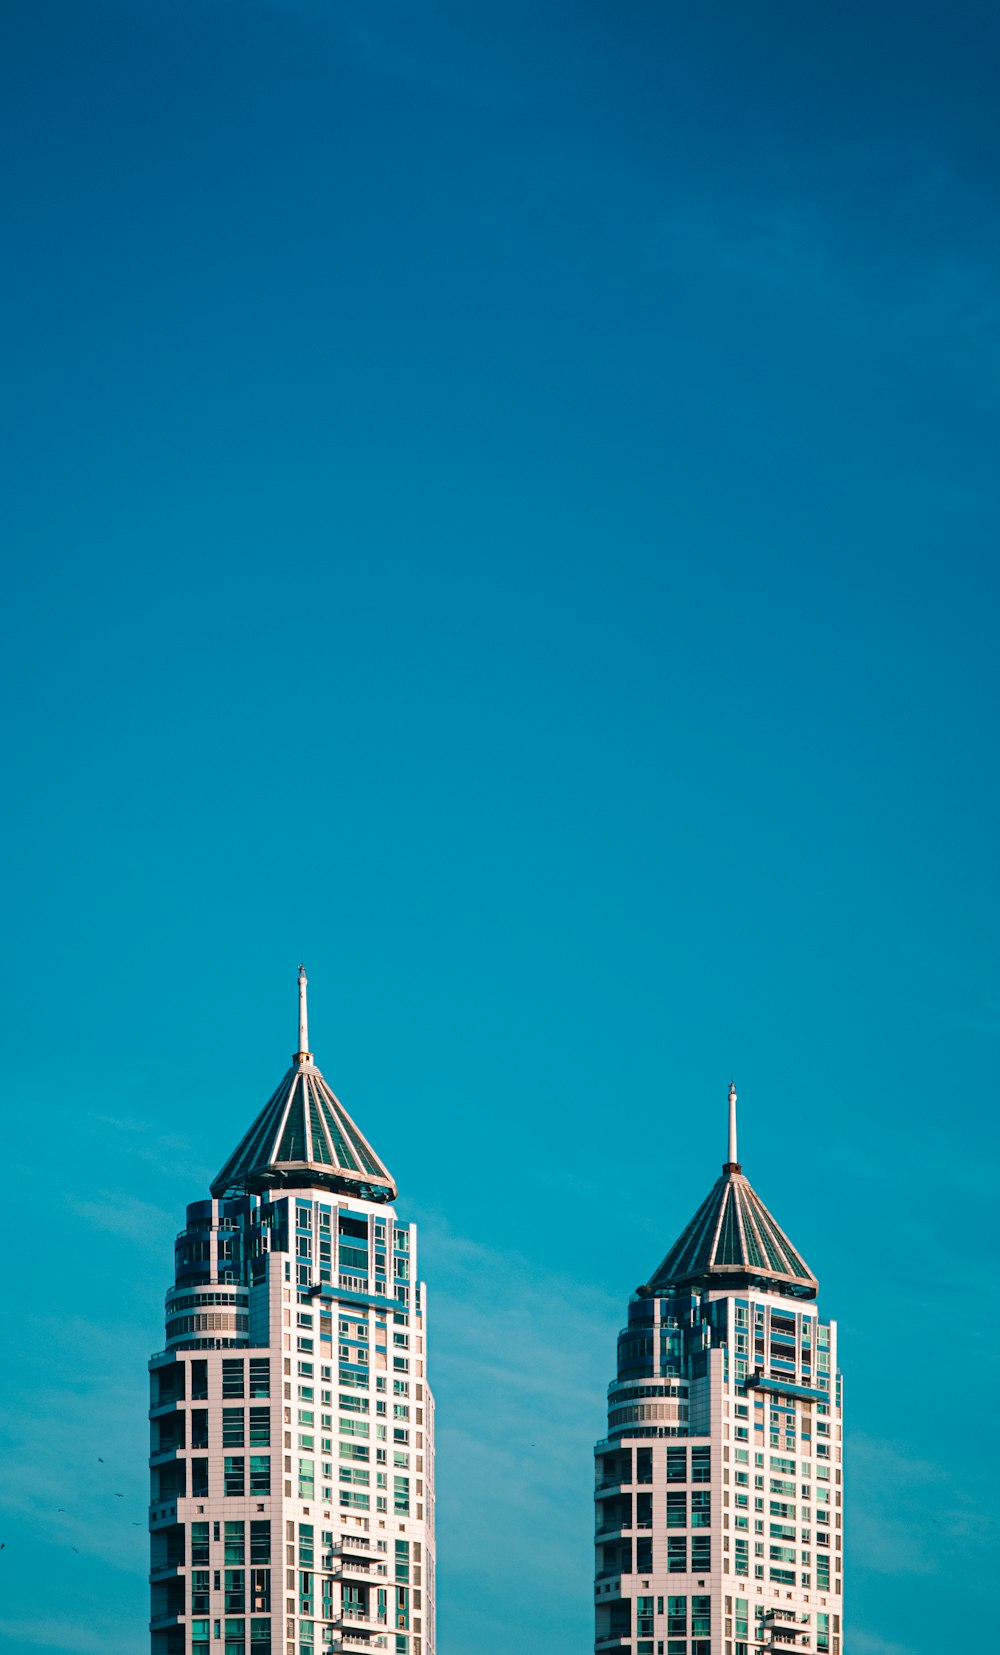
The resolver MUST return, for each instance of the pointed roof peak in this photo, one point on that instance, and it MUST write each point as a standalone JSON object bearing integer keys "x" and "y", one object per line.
{"x": 733, "y": 1240}
{"x": 304, "y": 1136}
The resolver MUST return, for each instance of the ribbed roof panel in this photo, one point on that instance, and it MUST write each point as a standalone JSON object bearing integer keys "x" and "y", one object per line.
{"x": 731, "y": 1238}
{"x": 304, "y": 1135}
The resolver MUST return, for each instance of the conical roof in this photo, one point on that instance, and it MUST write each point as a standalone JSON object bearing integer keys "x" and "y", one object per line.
{"x": 304, "y": 1136}
{"x": 734, "y": 1240}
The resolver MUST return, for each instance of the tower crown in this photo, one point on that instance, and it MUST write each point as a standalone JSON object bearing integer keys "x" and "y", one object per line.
{"x": 733, "y": 1240}
{"x": 304, "y": 1136}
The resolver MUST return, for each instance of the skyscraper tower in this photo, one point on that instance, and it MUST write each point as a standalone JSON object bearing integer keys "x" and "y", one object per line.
{"x": 719, "y": 1484}
{"x": 291, "y": 1423}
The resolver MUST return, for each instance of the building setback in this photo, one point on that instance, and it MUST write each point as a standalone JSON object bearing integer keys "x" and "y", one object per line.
{"x": 291, "y": 1423}
{"x": 719, "y": 1517}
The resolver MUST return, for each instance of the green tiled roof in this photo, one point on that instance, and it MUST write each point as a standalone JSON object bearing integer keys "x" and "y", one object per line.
{"x": 733, "y": 1239}
{"x": 304, "y": 1135}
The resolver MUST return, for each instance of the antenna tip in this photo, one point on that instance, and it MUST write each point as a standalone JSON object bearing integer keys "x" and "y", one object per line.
{"x": 302, "y": 973}
{"x": 732, "y": 1091}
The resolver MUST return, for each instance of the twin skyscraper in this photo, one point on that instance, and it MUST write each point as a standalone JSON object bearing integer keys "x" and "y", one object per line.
{"x": 292, "y": 1424}
{"x": 719, "y": 1527}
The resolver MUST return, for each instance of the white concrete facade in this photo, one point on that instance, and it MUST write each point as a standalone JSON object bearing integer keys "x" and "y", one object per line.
{"x": 719, "y": 1486}
{"x": 291, "y": 1420}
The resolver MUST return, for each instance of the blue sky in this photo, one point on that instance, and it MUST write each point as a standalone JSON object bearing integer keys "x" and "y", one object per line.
{"x": 501, "y": 504}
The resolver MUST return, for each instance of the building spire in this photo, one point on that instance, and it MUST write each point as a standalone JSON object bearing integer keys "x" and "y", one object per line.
{"x": 303, "y": 1052}
{"x": 733, "y": 1163}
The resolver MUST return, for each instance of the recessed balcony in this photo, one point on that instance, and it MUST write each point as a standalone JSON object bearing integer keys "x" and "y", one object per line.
{"x": 169, "y": 1570}
{"x": 170, "y": 1406}
{"x": 363, "y": 1570}
{"x": 358, "y": 1545}
{"x": 160, "y": 1456}
{"x": 351, "y": 1619}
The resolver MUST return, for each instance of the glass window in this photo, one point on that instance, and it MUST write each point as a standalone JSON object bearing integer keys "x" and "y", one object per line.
{"x": 260, "y": 1376}
{"x": 260, "y": 1427}
{"x": 235, "y": 1591}
{"x": 676, "y": 1465}
{"x": 676, "y": 1554}
{"x": 233, "y": 1479}
{"x": 232, "y": 1377}
{"x": 260, "y": 1542}
{"x": 352, "y": 1498}
{"x": 676, "y": 1509}
{"x": 232, "y": 1427}
{"x": 701, "y": 1465}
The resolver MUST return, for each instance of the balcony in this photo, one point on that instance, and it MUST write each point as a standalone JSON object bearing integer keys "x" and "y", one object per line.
{"x": 160, "y": 1456}
{"x": 358, "y": 1545}
{"x": 361, "y": 1620}
{"x": 170, "y": 1405}
{"x": 363, "y": 1570}
{"x": 166, "y": 1571}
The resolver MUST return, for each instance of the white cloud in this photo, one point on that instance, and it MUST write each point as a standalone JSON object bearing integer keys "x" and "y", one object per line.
{"x": 124, "y": 1215}
{"x": 170, "y": 1153}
